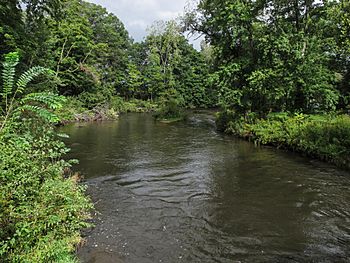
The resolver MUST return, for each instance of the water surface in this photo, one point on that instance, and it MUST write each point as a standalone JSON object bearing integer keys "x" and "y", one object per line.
{"x": 185, "y": 193}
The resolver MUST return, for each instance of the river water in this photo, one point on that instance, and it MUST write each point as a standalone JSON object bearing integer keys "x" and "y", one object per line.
{"x": 185, "y": 193}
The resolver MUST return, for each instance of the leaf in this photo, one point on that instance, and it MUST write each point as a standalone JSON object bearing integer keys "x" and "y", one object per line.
{"x": 8, "y": 73}
{"x": 29, "y": 75}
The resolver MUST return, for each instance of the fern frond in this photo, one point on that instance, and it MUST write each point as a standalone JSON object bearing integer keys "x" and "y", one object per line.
{"x": 38, "y": 111}
{"x": 29, "y": 75}
{"x": 48, "y": 99}
{"x": 8, "y": 73}
{"x": 38, "y": 104}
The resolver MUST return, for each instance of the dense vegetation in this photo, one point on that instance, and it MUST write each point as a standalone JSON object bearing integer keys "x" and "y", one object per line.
{"x": 258, "y": 56}
{"x": 96, "y": 62}
{"x": 279, "y": 70}
{"x": 323, "y": 136}
{"x": 277, "y": 56}
{"x": 42, "y": 209}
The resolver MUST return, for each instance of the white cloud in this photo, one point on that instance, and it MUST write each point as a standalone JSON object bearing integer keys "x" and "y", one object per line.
{"x": 138, "y": 24}
{"x": 167, "y": 15}
{"x": 137, "y": 15}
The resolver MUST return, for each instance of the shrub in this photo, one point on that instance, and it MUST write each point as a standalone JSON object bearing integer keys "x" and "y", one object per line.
{"x": 170, "y": 110}
{"x": 323, "y": 136}
{"x": 41, "y": 210}
{"x": 72, "y": 107}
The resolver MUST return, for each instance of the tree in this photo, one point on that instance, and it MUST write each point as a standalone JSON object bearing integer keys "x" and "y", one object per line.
{"x": 112, "y": 59}
{"x": 338, "y": 33}
{"x": 24, "y": 30}
{"x": 173, "y": 67}
{"x": 133, "y": 81}
{"x": 89, "y": 47}
{"x": 269, "y": 55}
{"x": 163, "y": 41}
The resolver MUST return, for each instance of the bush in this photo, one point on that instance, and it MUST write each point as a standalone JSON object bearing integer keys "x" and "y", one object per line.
{"x": 328, "y": 138}
{"x": 323, "y": 136}
{"x": 76, "y": 110}
{"x": 72, "y": 107}
{"x": 41, "y": 210}
{"x": 171, "y": 107}
{"x": 139, "y": 106}
{"x": 170, "y": 110}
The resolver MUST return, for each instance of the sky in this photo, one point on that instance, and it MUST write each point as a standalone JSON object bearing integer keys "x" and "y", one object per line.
{"x": 137, "y": 15}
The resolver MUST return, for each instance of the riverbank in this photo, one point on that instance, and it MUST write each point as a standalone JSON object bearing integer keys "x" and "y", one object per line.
{"x": 76, "y": 110}
{"x": 326, "y": 137}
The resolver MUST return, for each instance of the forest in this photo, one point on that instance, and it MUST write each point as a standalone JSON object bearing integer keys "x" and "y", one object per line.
{"x": 277, "y": 72}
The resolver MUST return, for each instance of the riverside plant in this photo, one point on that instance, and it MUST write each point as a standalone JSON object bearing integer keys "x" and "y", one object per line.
{"x": 42, "y": 208}
{"x": 326, "y": 137}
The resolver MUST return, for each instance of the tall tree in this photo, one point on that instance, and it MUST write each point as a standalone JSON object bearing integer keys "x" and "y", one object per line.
{"x": 270, "y": 55}
{"x": 90, "y": 49}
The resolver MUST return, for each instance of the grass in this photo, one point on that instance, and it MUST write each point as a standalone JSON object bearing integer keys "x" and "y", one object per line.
{"x": 326, "y": 137}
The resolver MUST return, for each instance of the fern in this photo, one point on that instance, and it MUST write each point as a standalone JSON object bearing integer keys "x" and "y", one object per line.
{"x": 50, "y": 100}
{"x": 8, "y": 74}
{"x": 29, "y": 75}
{"x": 37, "y": 111}
{"x": 39, "y": 104}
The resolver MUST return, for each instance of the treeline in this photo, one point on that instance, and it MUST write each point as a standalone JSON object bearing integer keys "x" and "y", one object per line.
{"x": 278, "y": 55}
{"x": 258, "y": 56}
{"x": 95, "y": 59}
{"x": 275, "y": 61}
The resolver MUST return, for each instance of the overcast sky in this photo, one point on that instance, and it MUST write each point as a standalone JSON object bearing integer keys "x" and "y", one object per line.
{"x": 137, "y": 15}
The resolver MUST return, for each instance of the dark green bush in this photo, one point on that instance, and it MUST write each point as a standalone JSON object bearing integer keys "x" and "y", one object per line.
{"x": 323, "y": 136}
{"x": 171, "y": 107}
{"x": 41, "y": 212}
{"x": 42, "y": 209}
{"x": 170, "y": 110}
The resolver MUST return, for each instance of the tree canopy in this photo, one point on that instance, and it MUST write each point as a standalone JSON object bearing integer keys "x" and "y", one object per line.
{"x": 277, "y": 55}
{"x": 258, "y": 56}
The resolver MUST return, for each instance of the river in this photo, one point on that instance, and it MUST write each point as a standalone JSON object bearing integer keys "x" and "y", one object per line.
{"x": 185, "y": 193}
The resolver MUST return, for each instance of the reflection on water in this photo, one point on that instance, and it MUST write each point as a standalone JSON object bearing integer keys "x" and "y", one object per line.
{"x": 184, "y": 193}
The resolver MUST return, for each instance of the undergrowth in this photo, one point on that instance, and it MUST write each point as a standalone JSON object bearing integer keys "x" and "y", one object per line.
{"x": 42, "y": 207}
{"x": 326, "y": 137}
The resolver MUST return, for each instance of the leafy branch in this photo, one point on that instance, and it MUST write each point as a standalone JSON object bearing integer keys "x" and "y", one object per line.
{"x": 39, "y": 104}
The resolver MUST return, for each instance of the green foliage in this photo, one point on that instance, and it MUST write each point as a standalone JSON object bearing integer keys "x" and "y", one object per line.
{"x": 70, "y": 109}
{"x": 94, "y": 58}
{"x": 191, "y": 77}
{"x": 14, "y": 106}
{"x": 322, "y": 136}
{"x": 8, "y": 74}
{"x": 74, "y": 108}
{"x": 165, "y": 62}
{"x": 24, "y": 28}
{"x": 171, "y": 107}
{"x": 41, "y": 210}
{"x": 276, "y": 55}
{"x": 136, "y": 105}
{"x": 271, "y": 56}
